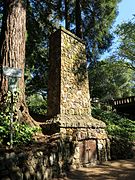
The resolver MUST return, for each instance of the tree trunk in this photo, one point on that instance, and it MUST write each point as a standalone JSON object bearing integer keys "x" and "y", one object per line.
{"x": 78, "y": 19}
{"x": 67, "y": 16}
{"x": 13, "y": 50}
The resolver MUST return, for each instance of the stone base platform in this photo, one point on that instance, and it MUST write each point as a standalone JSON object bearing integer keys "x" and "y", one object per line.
{"x": 86, "y": 140}
{"x": 78, "y": 121}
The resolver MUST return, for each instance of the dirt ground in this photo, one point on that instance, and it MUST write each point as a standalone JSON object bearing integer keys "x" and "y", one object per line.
{"x": 113, "y": 170}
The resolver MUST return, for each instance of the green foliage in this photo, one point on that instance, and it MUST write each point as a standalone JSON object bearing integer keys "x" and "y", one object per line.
{"x": 116, "y": 125}
{"x": 4, "y": 127}
{"x": 37, "y": 104}
{"x": 111, "y": 79}
{"x": 121, "y": 149}
{"x": 97, "y": 22}
{"x": 40, "y": 24}
{"x": 120, "y": 130}
{"x": 126, "y": 38}
{"x": 22, "y": 132}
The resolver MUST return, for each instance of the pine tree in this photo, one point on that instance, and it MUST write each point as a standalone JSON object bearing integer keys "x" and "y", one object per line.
{"x": 98, "y": 18}
{"x": 91, "y": 20}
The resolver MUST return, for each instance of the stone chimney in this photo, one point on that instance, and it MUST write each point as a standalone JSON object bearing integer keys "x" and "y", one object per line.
{"x": 69, "y": 107}
{"x": 68, "y": 87}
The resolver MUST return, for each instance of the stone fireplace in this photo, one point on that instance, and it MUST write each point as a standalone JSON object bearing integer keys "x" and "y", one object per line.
{"x": 69, "y": 107}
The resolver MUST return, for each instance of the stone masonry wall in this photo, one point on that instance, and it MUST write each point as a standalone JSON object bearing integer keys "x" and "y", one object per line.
{"x": 69, "y": 101}
{"x": 54, "y": 157}
{"x": 68, "y": 88}
{"x": 40, "y": 161}
{"x": 75, "y": 98}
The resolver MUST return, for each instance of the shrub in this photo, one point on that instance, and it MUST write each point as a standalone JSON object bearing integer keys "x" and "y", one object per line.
{"x": 22, "y": 132}
{"x": 120, "y": 130}
{"x": 37, "y": 104}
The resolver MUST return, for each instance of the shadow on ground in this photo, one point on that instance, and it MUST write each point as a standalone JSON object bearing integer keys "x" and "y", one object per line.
{"x": 114, "y": 170}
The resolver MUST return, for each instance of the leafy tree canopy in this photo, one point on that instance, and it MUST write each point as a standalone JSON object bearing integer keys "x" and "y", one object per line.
{"x": 111, "y": 79}
{"x": 126, "y": 35}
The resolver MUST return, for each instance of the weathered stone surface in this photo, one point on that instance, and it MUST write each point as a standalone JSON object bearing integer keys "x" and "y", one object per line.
{"x": 69, "y": 101}
{"x": 86, "y": 121}
{"x": 42, "y": 161}
{"x": 68, "y": 88}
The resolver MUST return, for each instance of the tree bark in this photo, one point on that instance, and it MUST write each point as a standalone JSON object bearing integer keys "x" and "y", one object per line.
{"x": 67, "y": 16}
{"x": 13, "y": 50}
{"x": 78, "y": 18}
